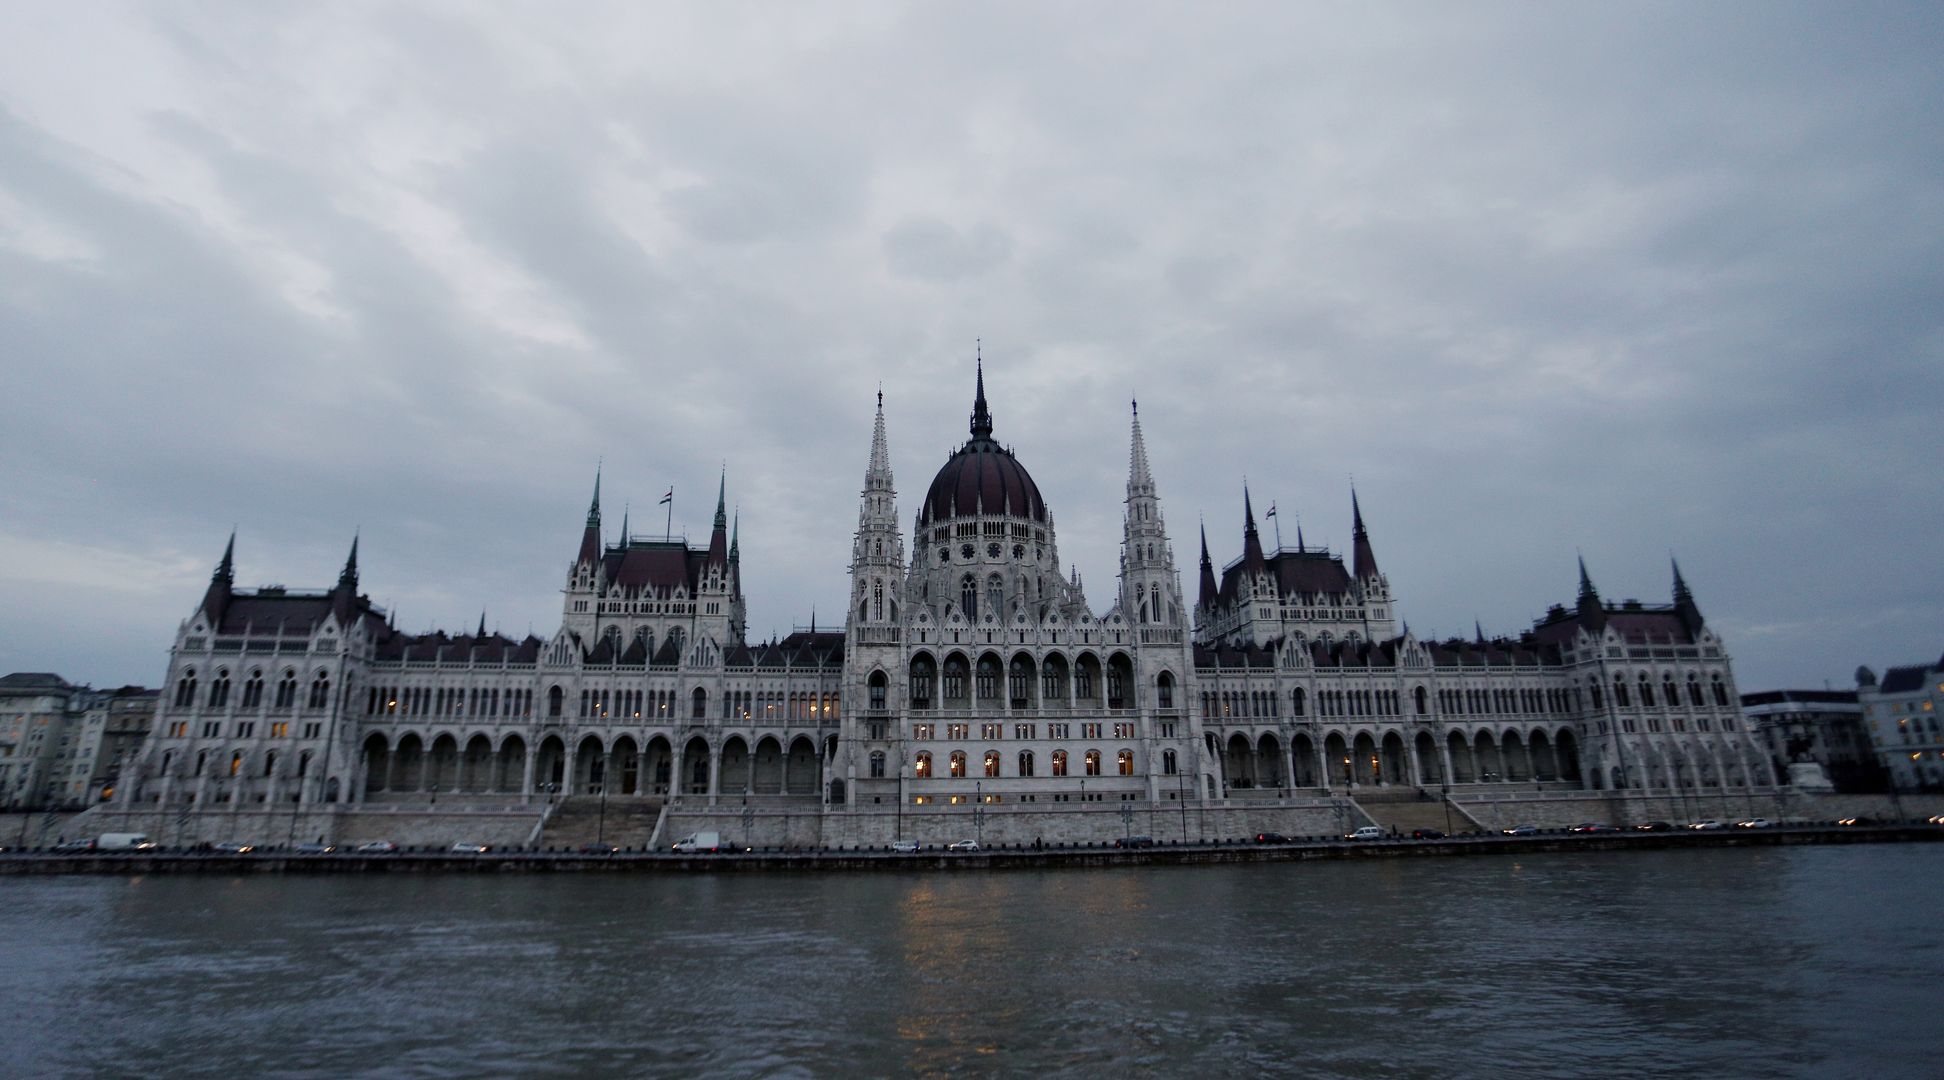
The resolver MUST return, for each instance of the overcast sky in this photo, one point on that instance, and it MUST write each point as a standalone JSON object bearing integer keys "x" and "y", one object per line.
{"x": 1621, "y": 280}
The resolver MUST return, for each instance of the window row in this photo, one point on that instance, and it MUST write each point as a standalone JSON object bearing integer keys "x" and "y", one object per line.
{"x": 958, "y": 762}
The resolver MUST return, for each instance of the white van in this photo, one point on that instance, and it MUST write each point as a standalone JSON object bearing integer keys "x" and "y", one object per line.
{"x": 701, "y": 841}
{"x": 124, "y": 841}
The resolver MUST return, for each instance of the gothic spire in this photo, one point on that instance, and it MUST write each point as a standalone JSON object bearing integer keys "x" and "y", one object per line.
{"x": 348, "y": 578}
{"x": 877, "y": 476}
{"x": 1684, "y": 604}
{"x": 481, "y": 632}
{"x": 1364, "y": 559}
{"x": 594, "y": 508}
{"x": 1592, "y": 612}
{"x": 981, "y": 416}
{"x": 1208, "y": 588}
{"x": 719, "y": 536}
{"x": 1251, "y": 541}
{"x": 624, "y": 526}
{"x": 1140, "y": 481}
{"x": 217, "y": 596}
{"x": 735, "y": 537}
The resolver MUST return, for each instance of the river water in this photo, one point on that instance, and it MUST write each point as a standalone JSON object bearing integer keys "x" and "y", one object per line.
{"x": 1799, "y": 962}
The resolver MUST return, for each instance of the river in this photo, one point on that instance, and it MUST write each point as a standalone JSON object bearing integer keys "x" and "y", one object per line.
{"x": 1783, "y": 962}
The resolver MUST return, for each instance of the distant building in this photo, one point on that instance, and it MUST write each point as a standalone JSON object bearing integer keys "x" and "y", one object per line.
{"x": 61, "y": 744}
{"x": 1821, "y": 726}
{"x": 1901, "y": 713}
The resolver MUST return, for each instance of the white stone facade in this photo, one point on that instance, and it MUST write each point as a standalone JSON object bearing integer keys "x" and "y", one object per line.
{"x": 970, "y": 671}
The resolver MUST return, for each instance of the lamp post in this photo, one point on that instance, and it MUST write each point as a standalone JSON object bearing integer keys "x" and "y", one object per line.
{"x": 978, "y": 812}
{"x": 900, "y": 810}
{"x": 1181, "y": 793}
{"x": 600, "y": 820}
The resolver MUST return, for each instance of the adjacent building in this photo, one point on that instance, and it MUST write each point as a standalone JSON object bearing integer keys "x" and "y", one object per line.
{"x": 1901, "y": 715}
{"x": 62, "y": 745}
{"x": 1823, "y": 727}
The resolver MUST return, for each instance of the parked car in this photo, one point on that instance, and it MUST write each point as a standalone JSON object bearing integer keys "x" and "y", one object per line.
{"x": 232, "y": 847}
{"x": 1521, "y": 830}
{"x": 377, "y": 847}
{"x": 1271, "y": 838}
{"x": 1752, "y": 823}
{"x": 1857, "y": 820}
{"x": 1427, "y": 834}
{"x": 708, "y": 841}
{"x": 1142, "y": 841}
{"x": 1937, "y": 819}
{"x": 905, "y": 847}
{"x": 1705, "y": 824}
{"x": 599, "y": 849}
{"x": 466, "y": 847}
{"x": 1592, "y": 827}
{"x": 86, "y": 844}
{"x": 1367, "y": 832}
{"x": 315, "y": 849}
{"x": 963, "y": 845}
{"x": 124, "y": 841}
{"x": 1654, "y": 826}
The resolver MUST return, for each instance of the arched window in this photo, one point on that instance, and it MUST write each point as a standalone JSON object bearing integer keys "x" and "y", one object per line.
{"x": 1694, "y": 691}
{"x": 1018, "y": 682}
{"x": 219, "y": 690}
{"x": 1297, "y": 700}
{"x": 1093, "y": 763}
{"x": 877, "y": 764}
{"x": 1168, "y": 762}
{"x": 877, "y": 600}
{"x": 1025, "y": 763}
{"x": 253, "y": 690}
{"x": 958, "y": 764}
{"x": 1668, "y": 693}
{"x": 287, "y": 690}
{"x": 1059, "y": 763}
{"x": 1720, "y": 692}
{"x": 1620, "y": 691}
{"x": 879, "y": 686}
{"x": 1125, "y": 761}
{"x": 186, "y": 689}
{"x": 320, "y": 691}
{"x": 969, "y": 596}
{"x": 1419, "y": 696}
{"x": 236, "y": 762}
{"x": 612, "y": 635}
{"x": 554, "y": 699}
{"x": 921, "y": 765}
{"x": 270, "y": 763}
{"x": 1164, "y": 691}
{"x": 988, "y": 679}
{"x": 699, "y": 704}
{"x": 1646, "y": 692}
{"x": 992, "y": 763}
{"x": 995, "y": 595}
{"x": 1599, "y": 698}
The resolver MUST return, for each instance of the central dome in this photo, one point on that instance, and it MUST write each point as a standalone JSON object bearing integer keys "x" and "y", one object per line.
{"x": 983, "y": 477}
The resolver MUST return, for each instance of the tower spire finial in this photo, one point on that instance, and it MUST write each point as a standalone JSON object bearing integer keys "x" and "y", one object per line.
{"x": 981, "y": 416}
{"x": 348, "y": 579}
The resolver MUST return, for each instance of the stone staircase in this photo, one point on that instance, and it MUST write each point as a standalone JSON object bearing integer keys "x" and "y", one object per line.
{"x": 1400, "y": 816}
{"x": 627, "y": 823}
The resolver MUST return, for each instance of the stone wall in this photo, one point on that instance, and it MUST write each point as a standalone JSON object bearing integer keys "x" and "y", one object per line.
{"x": 1558, "y": 811}
{"x": 344, "y": 825}
{"x": 1014, "y": 825}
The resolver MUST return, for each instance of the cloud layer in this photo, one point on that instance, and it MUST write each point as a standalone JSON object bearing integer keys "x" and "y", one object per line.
{"x": 1620, "y": 281}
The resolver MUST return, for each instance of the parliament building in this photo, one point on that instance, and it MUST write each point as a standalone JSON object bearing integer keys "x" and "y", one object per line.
{"x": 970, "y": 669}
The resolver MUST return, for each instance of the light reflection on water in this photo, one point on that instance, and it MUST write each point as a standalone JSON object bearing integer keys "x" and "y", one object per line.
{"x": 1802, "y": 962}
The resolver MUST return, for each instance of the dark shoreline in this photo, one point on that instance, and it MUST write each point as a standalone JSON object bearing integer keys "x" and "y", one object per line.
{"x": 151, "y": 862}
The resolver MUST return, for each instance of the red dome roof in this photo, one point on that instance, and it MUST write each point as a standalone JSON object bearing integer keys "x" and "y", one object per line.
{"x": 983, "y": 477}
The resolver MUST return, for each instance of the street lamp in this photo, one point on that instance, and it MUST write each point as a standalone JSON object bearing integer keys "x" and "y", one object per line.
{"x": 600, "y": 821}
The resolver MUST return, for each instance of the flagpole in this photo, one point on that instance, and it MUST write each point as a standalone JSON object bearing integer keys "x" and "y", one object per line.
{"x": 1272, "y": 513}
{"x": 668, "y": 528}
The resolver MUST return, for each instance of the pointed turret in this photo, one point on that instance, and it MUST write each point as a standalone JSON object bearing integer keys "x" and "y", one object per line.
{"x": 1478, "y": 631}
{"x": 1364, "y": 560}
{"x": 1300, "y": 549}
{"x": 735, "y": 538}
{"x": 1252, "y": 559}
{"x": 1209, "y": 591}
{"x": 590, "y": 549}
{"x": 221, "y": 583}
{"x": 719, "y": 535}
{"x": 481, "y": 632}
{"x": 348, "y": 577}
{"x": 624, "y": 526}
{"x": 1684, "y": 604}
{"x": 1592, "y": 612}
{"x": 877, "y": 474}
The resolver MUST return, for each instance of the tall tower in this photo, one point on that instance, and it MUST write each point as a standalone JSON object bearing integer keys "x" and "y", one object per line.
{"x": 877, "y": 551}
{"x": 1150, "y": 587}
{"x": 874, "y": 659}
